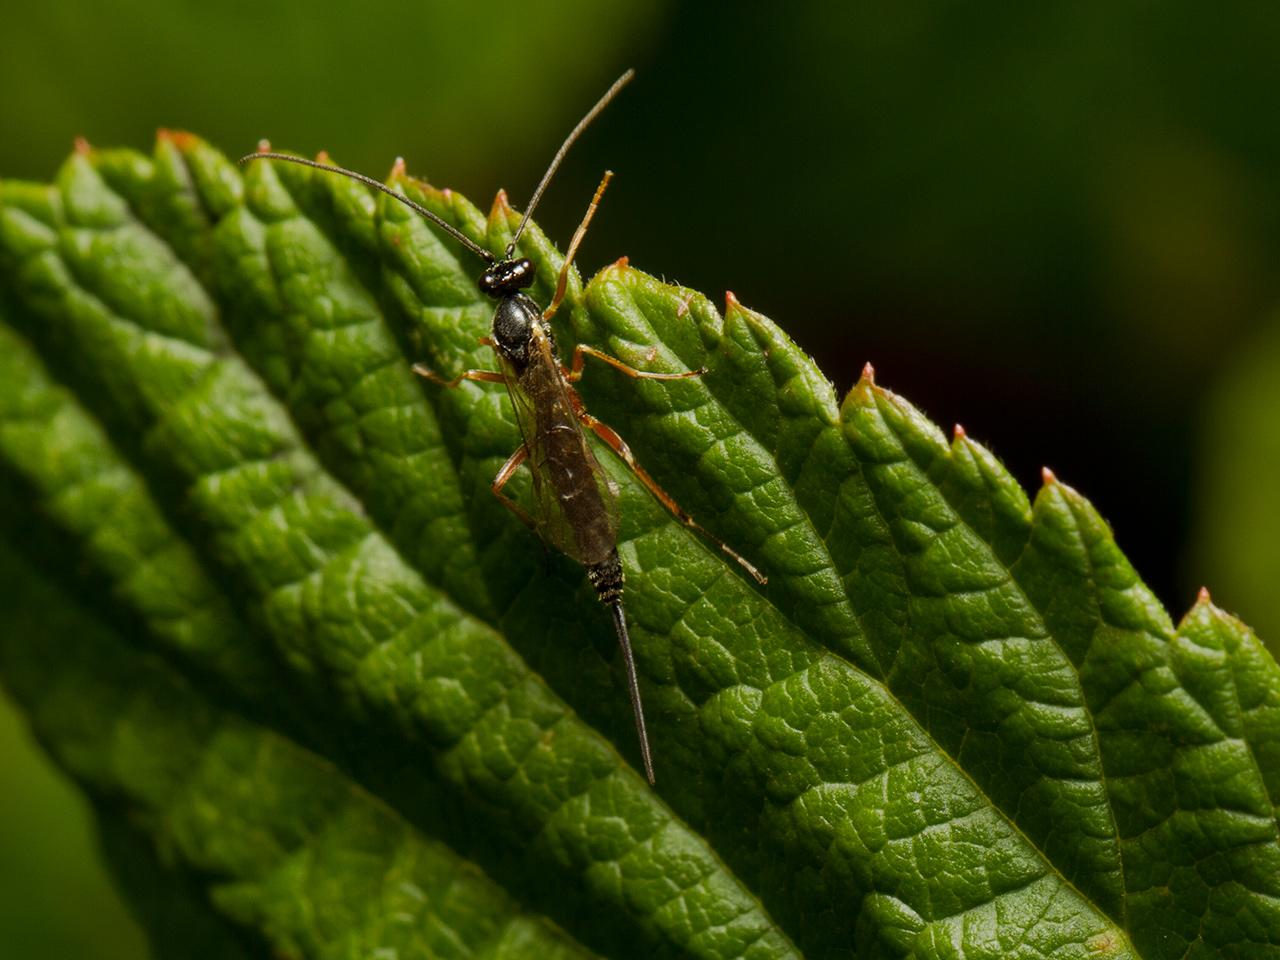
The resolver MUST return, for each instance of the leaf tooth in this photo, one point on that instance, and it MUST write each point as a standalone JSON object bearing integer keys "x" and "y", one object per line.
{"x": 264, "y": 193}
{"x": 208, "y": 183}
{"x": 795, "y": 373}
{"x": 863, "y": 389}
{"x": 84, "y": 205}
{"x": 916, "y": 433}
{"x": 501, "y": 209}
{"x": 181, "y": 139}
{"x": 1205, "y": 613}
{"x": 985, "y": 495}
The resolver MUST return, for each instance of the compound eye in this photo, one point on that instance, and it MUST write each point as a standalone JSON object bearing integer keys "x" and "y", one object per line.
{"x": 523, "y": 272}
{"x": 487, "y": 282}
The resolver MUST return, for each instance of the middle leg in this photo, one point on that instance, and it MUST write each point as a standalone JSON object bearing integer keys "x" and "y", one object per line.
{"x": 505, "y": 473}
{"x": 582, "y": 351}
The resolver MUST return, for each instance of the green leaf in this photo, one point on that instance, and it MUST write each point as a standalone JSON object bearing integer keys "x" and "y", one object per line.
{"x": 312, "y": 653}
{"x": 313, "y": 863}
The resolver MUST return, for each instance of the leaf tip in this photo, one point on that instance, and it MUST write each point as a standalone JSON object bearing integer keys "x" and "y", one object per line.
{"x": 179, "y": 138}
{"x": 1203, "y": 596}
{"x": 1048, "y": 476}
{"x": 501, "y": 205}
{"x": 1105, "y": 943}
{"x": 82, "y": 146}
{"x": 959, "y": 432}
{"x": 264, "y": 145}
{"x": 868, "y": 374}
{"x": 622, "y": 263}
{"x": 730, "y": 301}
{"x": 397, "y": 169}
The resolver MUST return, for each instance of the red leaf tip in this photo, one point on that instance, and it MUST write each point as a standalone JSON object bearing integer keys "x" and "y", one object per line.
{"x": 622, "y": 263}
{"x": 264, "y": 145}
{"x": 397, "y": 169}
{"x": 869, "y": 373}
{"x": 1203, "y": 596}
{"x": 82, "y": 146}
{"x": 959, "y": 433}
{"x": 730, "y": 301}
{"x": 323, "y": 157}
{"x": 179, "y": 138}
{"x": 501, "y": 208}
{"x": 1048, "y": 476}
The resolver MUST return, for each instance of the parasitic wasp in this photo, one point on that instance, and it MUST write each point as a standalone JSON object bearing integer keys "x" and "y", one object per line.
{"x": 574, "y": 505}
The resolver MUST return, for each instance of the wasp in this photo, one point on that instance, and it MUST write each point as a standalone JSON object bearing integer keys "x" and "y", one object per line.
{"x": 575, "y": 503}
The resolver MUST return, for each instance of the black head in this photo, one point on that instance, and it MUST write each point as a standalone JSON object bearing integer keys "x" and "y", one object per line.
{"x": 506, "y": 277}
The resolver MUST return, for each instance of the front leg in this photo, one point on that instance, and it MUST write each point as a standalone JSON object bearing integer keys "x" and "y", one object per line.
{"x": 479, "y": 376}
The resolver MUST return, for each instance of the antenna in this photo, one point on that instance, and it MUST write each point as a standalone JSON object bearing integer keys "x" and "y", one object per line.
{"x": 594, "y": 112}
{"x": 448, "y": 228}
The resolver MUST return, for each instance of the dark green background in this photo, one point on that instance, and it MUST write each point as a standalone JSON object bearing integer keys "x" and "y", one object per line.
{"x": 1057, "y": 224}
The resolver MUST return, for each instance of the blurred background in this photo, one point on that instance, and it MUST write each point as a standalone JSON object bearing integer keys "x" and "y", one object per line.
{"x": 1057, "y": 225}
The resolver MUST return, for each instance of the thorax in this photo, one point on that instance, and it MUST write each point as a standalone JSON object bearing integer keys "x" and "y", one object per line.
{"x": 517, "y": 330}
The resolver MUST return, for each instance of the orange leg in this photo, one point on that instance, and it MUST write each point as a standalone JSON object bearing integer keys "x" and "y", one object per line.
{"x": 563, "y": 282}
{"x": 480, "y": 376}
{"x": 582, "y": 351}
{"x": 619, "y": 446}
{"x": 505, "y": 474}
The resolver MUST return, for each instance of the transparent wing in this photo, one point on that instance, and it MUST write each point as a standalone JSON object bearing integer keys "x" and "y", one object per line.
{"x": 575, "y": 503}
